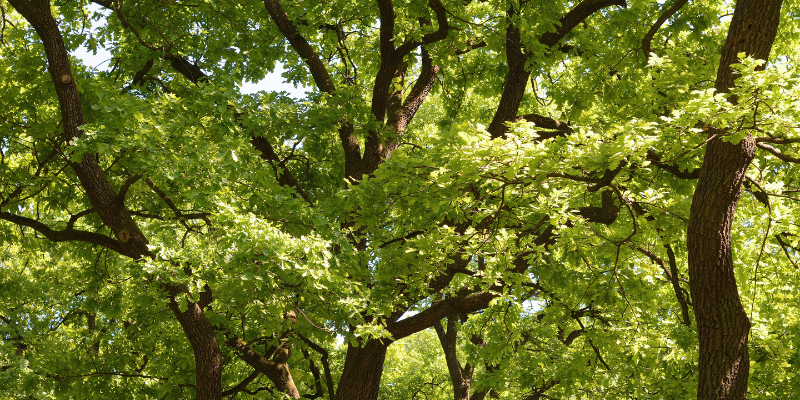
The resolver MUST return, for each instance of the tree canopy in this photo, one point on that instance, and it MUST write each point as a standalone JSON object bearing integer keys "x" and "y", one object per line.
{"x": 474, "y": 199}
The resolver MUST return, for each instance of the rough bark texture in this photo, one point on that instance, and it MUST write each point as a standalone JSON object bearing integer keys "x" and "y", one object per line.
{"x": 722, "y": 323}
{"x": 363, "y": 367}
{"x": 207, "y": 356}
{"x": 514, "y": 85}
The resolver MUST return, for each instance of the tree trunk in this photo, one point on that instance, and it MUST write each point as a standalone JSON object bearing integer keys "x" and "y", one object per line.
{"x": 361, "y": 375}
{"x": 461, "y": 378}
{"x": 207, "y": 356}
{"x": 722, "y": 323}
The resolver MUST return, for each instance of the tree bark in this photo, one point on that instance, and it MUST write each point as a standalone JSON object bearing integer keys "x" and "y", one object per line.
{"x": 277, "y": 370}
{"x": 460, "y": 377}
{"x": 516, "y": 56}
{"x": 722, "y": 324}
{"x": 103, "y": 197}
{"x": 361, "y": 375}
{"x": 207, "y": 355}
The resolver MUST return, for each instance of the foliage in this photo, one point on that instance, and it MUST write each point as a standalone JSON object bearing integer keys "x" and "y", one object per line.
{"x": 556, "y": 240}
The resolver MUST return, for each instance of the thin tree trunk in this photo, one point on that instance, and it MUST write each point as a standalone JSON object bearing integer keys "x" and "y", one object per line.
{"x": 461, "y": 378}
{"x": 722, "y": 323}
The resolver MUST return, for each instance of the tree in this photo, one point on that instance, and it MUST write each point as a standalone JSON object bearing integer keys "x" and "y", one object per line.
{"x": 722, "y": 322}
{"x": 514, "y": 175}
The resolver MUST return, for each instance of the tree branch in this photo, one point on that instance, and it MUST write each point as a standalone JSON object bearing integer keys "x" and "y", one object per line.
{"x": 300, "y": 45}
{"x": 648, "y": 38}
{"x": 517, "y": 77}
{"x": 432, "y": 37}
{"x": 555, "y": 128}
{"x": 282, "y": 174}
{"x": 241, "y": 386}
{"x": 352, "y": 151}
{"x": 68, "y": 234}
{"x": 575, "y": 16}
{"x": 278, "y": 373}
{"x": 92, "y": 178}
{"x": 438, "y": 310}
{"x": 655, "y": 159}
{"x": 324, "y": 360}
{"x": 777, "y": 153}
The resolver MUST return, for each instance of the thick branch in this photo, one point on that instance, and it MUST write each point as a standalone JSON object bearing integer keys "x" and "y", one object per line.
{"x": 655, "y": 159}
{"x": 400, "y": 115}
{"x": 92, "y": 178}
{"x": 439, "y": 310}
{"x": 376, "y": 148}
{"x": 432, "y": 37}
{"x": 554, "y": 127}
{"x": 777, "y": 153}
{"x": 278, "y": 373}
{"x": 207, "y": 356}
{"x": 283, "y": 175}
{"x": 461, "y": 378}
{"x": 416, "y": 96}
{"x": 605, "y": 214}
{"x": 648, "y": 38}
{"x": 517, "y": 77}
{"x": 575, "y": 16}
{"x": 68, "y": 235}
{"x": 352, "y": 151}
{"x": 191, "y": 71}
{"x": 515, "y": 82}
{"x": 300, "y": 45}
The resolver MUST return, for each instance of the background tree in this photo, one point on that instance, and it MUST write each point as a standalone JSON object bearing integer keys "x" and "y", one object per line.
{"x": 516, "y": 174}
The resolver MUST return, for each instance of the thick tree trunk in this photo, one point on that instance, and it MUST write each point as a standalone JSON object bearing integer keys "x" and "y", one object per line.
{"x": 207, "y": 356}
{"x": 722, "y": 323}
{"x": 361, "y": 375}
